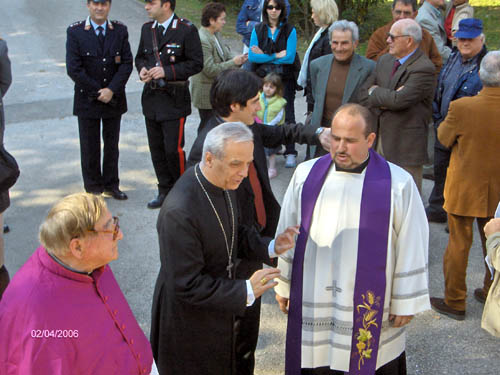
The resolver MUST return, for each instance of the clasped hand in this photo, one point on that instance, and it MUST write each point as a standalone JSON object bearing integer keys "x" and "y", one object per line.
{"x": 146, "y": 75}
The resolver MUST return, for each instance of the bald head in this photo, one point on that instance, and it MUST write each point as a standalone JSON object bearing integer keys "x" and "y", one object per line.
{"x": 404, "y": 37}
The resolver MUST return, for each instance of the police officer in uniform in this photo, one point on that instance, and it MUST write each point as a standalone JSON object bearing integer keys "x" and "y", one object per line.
{"x": 169, "y": 53}
{"x": 99, "y": 60}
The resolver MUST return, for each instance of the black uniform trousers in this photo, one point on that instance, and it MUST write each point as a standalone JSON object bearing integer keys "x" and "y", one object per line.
{"x": 94, "y": 180}
{"x": 289, "y": 86}
{"x": 205, "y": 115}
{"x": 166, "y": 142}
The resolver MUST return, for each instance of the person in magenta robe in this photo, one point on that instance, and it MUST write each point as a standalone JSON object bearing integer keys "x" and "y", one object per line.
{"x": 63, "y": 312}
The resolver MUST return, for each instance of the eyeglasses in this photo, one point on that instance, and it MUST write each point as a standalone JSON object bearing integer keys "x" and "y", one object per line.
{"x": 272, "y": 7}
{"x": 115, "y": 230}
{"x": 393, "y": 37}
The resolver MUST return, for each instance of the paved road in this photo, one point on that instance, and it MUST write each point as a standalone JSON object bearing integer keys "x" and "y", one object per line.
{"x": 43, "y": 136}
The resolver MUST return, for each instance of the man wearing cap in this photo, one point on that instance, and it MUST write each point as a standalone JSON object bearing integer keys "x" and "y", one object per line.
{"x": 458, "y": 78}
{"x": 169, "y": 53}
{"x": 99, "y": 61}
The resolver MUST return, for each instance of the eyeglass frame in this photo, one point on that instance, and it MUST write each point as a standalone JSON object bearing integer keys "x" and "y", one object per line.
{"x": 273, "y": 7}
{"x": 115, "y": 230}
{"x": 394, "y": 37}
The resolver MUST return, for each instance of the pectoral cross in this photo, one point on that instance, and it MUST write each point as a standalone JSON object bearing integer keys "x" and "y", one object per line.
{"x": 334, "y": 288}
{"x": 229, "y": 268}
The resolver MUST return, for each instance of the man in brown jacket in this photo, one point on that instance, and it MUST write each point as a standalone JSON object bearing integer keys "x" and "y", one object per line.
{"x": 399, "y": 92}
{"x": 472, "y": 189}
{"x": 401, "y": 9}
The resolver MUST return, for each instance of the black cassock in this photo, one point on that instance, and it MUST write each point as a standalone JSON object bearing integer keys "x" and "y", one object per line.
{"x": 195, "y": 301}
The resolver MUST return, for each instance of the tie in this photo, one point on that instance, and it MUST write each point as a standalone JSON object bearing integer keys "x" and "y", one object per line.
{"x": 161, "y": 30}
{"x": 100, "y": 36}
{"x": 258, "y": 198}
{"x": 395, "y": 67}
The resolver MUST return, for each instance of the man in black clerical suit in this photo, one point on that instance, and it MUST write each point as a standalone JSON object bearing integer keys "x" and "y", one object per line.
{"x": 197, "y": 295}
{"x": 235, "y": 97}
{"x": 169, "y": 53}
{"x": 99, "y": 60}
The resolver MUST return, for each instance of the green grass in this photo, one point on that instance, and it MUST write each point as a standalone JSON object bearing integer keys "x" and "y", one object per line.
{"x": 487, "y": 10}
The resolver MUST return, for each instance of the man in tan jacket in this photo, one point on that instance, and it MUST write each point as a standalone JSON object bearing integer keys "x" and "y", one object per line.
{"x": 472, "y": 189}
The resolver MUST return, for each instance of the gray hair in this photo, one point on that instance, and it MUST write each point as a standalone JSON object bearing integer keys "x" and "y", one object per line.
{"x": 344, "y": 25}
{"x": 489, "y": 72}
{"x": 216, "y": 139}
{"x": 411, "y": 28}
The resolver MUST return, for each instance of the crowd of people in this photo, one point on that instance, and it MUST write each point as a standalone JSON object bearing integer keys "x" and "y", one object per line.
{"x": 346, "y": 251}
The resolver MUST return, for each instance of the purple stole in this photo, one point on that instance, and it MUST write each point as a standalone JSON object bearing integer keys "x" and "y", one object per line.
{"x": 369, "y": 289}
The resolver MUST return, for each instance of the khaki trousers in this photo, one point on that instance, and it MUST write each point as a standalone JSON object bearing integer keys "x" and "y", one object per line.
{"x": 456, "y": 257}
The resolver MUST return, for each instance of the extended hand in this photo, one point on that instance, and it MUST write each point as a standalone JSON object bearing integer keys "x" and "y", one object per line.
{"x": 240, "y": 59}
{"x": 325, "y": 138}
{"x": 283, "y": 302}
{"x": 157, "y": 72}
{"x": 144, "y": 75}
{"x": 286, "y": 240}
{"x": 400, "y": 320}
{"x": 262, "y": 280}
{"x": 256, "y": 49}
{"x": 105, "y": 95}
{"x": 492, "y": 226}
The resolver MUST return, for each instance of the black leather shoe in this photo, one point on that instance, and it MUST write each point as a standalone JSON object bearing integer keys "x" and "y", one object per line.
{"x": 116, "y": 194}
{"x": 439, "y": 306}
{"x": 6, "y": 228}
{"x": 435, "y": 217}
{"x": 157, "y": 202}
{"x": 480, "y": 295}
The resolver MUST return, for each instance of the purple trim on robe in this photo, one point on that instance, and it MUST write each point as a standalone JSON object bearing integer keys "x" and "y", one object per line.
{"x": 377, "y": 183}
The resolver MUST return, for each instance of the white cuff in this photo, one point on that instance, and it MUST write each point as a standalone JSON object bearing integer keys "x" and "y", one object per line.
{"x": 250, "y": 295}
{"x": 270, "y": 250}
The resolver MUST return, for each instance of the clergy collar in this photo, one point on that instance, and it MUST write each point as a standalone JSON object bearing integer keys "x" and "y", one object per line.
{"x": 211, "y": 188}
{"x": 358, "y": 170}
{"x": 60, "y": 262}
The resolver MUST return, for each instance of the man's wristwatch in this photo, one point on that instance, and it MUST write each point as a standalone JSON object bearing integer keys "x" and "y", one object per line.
{"x": 319, "y": 131}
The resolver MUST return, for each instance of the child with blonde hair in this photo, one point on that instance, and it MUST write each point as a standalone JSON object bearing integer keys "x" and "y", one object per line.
{"x": 272, "y": 112}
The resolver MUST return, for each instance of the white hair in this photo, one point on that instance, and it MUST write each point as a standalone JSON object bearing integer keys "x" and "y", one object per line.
{"x": 489, "y": 72}
{"x": 411, "y": 28}
{"x": 344, "y": 25}
{"x": 216, "y": 139}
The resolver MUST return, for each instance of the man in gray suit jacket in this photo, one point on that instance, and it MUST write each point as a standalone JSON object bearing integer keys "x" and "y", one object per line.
{"x": 430, "y": 18}
{"x": 336, "y": 78}
{"x": 400, "y": 92}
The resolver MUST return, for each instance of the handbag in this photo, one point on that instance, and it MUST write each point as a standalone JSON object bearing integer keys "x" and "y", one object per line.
{"x": 9, "y": 169}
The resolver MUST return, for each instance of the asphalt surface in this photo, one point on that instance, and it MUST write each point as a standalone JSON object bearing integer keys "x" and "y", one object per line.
{"x": 43, "y": 135}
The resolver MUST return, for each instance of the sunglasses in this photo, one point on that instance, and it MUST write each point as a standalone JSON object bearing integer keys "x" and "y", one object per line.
{"x": 115, "y": 230}
{"x": 272, "y": 7}
{"x": 394, "y": 37}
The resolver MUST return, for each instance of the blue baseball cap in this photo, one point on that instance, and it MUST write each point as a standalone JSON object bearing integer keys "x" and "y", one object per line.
{"x": 469, "y": 28}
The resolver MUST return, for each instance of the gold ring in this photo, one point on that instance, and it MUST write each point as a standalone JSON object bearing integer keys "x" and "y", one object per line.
{"x": 264, "y": 281}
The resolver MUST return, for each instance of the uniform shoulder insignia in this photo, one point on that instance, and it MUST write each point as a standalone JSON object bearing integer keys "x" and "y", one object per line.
{"x": 185, "y": 22}
{"x": 76, "y": 23}
{"x": 116, "y": 22}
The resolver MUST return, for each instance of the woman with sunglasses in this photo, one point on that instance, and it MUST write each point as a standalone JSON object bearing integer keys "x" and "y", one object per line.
{"x": 63, "y": 312}
{"x": 273, "y": 49}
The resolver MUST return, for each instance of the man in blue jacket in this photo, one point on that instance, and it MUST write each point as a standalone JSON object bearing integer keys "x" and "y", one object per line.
{"x": 99, "y": 61}
{"x": 458, "y": 78}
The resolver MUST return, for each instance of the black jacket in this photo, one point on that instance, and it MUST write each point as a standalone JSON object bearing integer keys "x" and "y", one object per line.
{"x": 264, "y": 136}
{"x": 181, "y": 57}
{"x": 93, "y": 68}
{"x": 320, "y": 48}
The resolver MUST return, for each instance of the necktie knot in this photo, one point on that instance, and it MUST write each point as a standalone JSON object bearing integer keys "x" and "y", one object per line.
{"x": 100, "y": 29}
{"x": 395, "y": 67}
{"x": 100, "y": 35}
{"x": 161, "y": 29}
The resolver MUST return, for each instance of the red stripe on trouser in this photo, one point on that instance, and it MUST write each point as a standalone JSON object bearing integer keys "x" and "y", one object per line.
{"x": 180, "y": 151}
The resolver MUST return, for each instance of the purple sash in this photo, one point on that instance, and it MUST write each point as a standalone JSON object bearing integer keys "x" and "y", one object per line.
{"x": 369, "y": 290}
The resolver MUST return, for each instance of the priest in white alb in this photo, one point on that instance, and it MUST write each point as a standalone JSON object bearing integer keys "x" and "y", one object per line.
{"x": 358, "y": 273}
